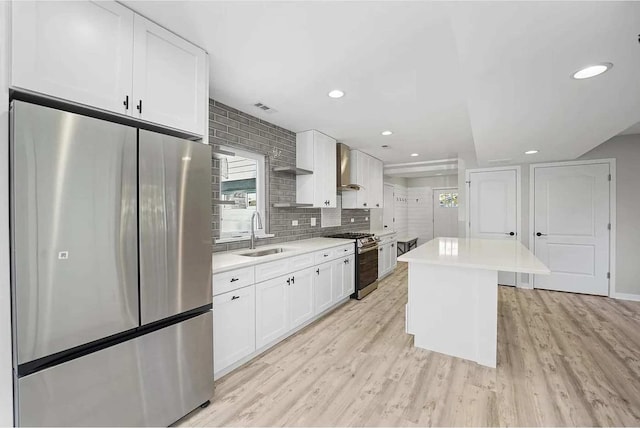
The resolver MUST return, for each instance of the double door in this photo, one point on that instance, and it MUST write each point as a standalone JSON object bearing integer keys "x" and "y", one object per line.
{"x": 282, "y": 304}
{"x": 104, "y": 55}
{"x": 367, "y": 172}
{"x": 85, "y": 211}
{"x": 333, "y": 281}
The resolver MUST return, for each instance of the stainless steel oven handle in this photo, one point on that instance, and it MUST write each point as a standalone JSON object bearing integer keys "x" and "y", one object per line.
{"x": 367, "y": 250}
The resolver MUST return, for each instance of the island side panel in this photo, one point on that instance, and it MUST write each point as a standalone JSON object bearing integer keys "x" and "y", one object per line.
{"x": 454, "y": 311}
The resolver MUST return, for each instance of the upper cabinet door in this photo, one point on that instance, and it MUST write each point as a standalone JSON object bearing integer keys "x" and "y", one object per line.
{"x": 169, "y": 78}
{"x": 77, "y": 50}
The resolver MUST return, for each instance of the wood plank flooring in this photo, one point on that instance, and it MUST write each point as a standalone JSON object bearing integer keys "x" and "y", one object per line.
{"x": 563, "y": 360}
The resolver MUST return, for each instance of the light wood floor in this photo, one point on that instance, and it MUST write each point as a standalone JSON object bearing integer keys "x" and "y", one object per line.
{"x": 563, "y": 359}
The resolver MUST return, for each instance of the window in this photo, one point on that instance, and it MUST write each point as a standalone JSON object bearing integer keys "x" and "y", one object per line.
{"x": 242, "y": 181}
{"x": 449, "y": 200}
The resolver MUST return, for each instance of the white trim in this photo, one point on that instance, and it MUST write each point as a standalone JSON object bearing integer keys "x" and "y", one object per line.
{"x": 626, "y": 296}
{"x": 261, "y": 190}
{"x": 612, "y": 213}
{"x": 515, "y": 168}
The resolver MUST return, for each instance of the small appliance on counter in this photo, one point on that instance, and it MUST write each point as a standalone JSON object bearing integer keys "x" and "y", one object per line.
{"x": 366, "y": 261}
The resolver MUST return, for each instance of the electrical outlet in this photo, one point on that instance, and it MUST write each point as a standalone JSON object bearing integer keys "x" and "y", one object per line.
{"x": 352, "y": 220}
{"x": 294, "y": 222}
{"x": 313, "y": 221}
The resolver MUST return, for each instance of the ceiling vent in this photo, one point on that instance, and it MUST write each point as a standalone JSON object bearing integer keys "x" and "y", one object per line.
{"x": 265, "y": 108}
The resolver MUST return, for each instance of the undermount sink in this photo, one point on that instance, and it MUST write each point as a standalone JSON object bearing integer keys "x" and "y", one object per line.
{"x": 264, "y": 252}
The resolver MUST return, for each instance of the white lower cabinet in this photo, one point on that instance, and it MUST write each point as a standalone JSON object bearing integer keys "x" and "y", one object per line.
{"x": 322, "y": 284}
{"x": 300, "y": 298}
{"x": 248, "y": 319}
{"x": 348, "y": 277}
{"x": 387, "y": 257}
{"x": 234, "y": 326}
{"x": 272, "y": 303}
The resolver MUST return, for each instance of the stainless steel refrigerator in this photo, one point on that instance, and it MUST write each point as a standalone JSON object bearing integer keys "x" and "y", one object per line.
{"x": 111, "y": 281}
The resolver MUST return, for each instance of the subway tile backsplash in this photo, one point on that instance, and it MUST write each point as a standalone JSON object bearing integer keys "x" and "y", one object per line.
{"x": 232, "y": 128}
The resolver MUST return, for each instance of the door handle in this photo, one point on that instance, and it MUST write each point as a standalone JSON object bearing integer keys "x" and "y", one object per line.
{"x": 541, "y": 234}
{"x": 139, "y": 107}
{"x": 126, "y": 102}
{"x": 510, "y": 233}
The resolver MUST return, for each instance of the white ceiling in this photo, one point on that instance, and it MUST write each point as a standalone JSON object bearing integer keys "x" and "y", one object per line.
{"x": 445, "y": 77}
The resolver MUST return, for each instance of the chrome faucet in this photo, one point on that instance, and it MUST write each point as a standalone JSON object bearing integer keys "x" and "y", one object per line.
{"x": 253, "y": 229}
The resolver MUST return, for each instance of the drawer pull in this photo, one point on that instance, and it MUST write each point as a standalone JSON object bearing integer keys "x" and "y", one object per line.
{"x": 235, "y": 297}
{"x": 235, "y": 279}
{"x": 325, "y": 255}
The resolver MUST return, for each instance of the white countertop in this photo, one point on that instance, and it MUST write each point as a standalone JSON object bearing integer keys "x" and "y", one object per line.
{"x": 382, "y": 232}
{"x": 493, "y": 254}
{"x": 228, "y": 260}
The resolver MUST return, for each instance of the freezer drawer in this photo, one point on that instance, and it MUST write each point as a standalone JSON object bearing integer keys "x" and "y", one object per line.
{"x": 152, "y": 380}
{"x": 175, "y": 225}
{"x": 74, "y": 229}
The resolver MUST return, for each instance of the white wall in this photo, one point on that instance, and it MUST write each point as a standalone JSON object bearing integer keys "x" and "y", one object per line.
{"x": 6, "y": 383}
{"x": 626, "y": 151}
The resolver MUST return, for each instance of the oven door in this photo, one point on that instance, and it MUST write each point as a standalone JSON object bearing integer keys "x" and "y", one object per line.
{"x": 367, "y": 267}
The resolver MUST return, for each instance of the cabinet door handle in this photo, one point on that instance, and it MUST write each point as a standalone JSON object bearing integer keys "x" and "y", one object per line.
{"x": 235, "y": 297}
{"x": 139, "y": 107}
{"x": 288, "y": 281}
{"x": 318, "y": 271}
{"x": 377, "y": 205}
{"x": 541, "y": 234}
{"x": 510, "y": 233}
{"x": 293, "y": 279}
{"x": 393, "y": 245}
{"x": 126, "y": 102}
{"x": 364, "y": 204}
{"x": 235, "y": 279}
{"x": 381, "y": 248}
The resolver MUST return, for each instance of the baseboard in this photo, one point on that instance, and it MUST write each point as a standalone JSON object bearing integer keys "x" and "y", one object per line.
{"x": 626, "y": 296}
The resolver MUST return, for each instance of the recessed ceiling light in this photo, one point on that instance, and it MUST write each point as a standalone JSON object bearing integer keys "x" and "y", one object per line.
{"x": 592, "y": 71}
{"x": 414, "y": 154}
{"x": 336, "y": 93}
{"x": 530, "y": 152}
{"x": 387, "y": 132}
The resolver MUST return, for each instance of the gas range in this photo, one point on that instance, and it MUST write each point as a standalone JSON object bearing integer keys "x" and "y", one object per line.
{"x": 363, "y": 239}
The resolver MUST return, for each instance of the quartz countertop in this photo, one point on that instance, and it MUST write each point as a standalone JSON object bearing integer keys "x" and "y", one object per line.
{"x": 228, "y": 260}
{"x": 493, "y": 254}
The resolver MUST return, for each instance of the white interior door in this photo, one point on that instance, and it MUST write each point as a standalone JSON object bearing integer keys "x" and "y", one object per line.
{"x": 445, "y": 212}
{"x": 493, "y": 208}
{"x": 571, "y": 227}
{"x": 387, "y": 210}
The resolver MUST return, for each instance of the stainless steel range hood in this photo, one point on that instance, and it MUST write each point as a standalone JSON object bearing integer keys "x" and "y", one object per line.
{"x": 343, "y": 164}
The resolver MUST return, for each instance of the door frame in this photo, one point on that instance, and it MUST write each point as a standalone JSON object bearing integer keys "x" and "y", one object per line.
{"x": 467, "y": 182}
{"x": 612, "y": 211}
{"x": 433, "y": 206}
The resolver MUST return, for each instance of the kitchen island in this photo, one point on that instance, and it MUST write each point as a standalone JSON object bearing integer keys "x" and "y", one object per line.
{"x": 453, "y": 293}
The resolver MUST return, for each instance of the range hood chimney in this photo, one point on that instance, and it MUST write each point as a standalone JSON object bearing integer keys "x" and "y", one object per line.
{"x": 343, "y": 164}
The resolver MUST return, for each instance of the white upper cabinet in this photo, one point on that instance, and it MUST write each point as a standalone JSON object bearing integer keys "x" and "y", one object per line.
{"x": 316, "y": 152}
{"x": 105, "y": 56}
{"x": 80, "y": 51}
{"x": 366, "y": 171}
{"x": 169, "y": 78}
